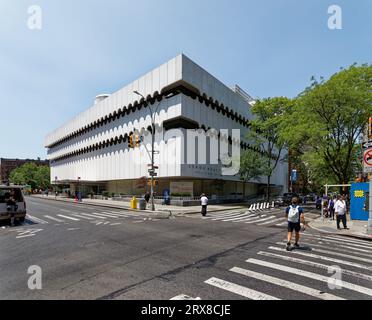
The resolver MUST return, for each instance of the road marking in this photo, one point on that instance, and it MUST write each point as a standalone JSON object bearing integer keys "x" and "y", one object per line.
{"x": 25, "y": 236}
{"x": 310, "y": 275}
{"x": 311, "y": 255}
{"x": 104, "y": 215}
{"x": 66, "y": 217}
{"x": 115, "y": 224}
{"x": 54, "y": 219}
{"x": 262, "y": 220}
{"x": 246, "y": 218}
{"x": 364, "y": 245}
{"x": 254, "y": 219}
{"x": 286, "y": 284}
{"x": 82, "y": 217}
{"x": 226, "y": 217}
{"x": 345, "y": 249}
{"x": 240, "y": 290}
{"x": 184, "y": 297}
{"x": 268, "y": 222}
{"x": 239, "y": 218}
{"x": 282, "y": 224}
{"x": 90, "y": 215}
{"x": 344, "y": 239}
{"x": 314, "y": 264}
{"x": 38, "y": 220}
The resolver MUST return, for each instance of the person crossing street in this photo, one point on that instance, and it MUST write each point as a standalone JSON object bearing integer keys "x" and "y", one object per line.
{"x": 204, "y": 204}
{"x": 295, "y": 216}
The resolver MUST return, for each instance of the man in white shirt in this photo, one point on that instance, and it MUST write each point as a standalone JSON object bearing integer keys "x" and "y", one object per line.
{"x": 204, "y": 204}
{"x": 340, "y": 210}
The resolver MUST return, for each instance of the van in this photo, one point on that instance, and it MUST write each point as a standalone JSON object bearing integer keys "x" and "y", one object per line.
{"x": 9, "y": 207}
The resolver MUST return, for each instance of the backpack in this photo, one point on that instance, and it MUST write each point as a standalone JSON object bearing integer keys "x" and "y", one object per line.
{"x": 294, "y": 214}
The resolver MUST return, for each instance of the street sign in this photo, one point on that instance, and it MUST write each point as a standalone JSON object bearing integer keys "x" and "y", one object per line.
{"x": 294, "y": 176}
{"x": 367, "y": 145}
{"x": 367, "y": 160}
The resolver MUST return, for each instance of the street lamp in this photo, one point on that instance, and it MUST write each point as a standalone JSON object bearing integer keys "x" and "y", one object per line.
{"x": 153, "y": 115}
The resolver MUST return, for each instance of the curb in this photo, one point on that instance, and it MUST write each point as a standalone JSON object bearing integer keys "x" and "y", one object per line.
{"x": 104, "y": 206}
{"x": 354, "y": 236}
{"x": 133, "y": 210}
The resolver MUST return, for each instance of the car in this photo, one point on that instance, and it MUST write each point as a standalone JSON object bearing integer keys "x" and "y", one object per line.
{"x": 12, "y": 201}
{"x": 279, "y": 201}
{"x": 289, "y": 196}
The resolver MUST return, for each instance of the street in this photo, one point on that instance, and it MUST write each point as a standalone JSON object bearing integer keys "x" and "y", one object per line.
{"x": 88, "y": 252}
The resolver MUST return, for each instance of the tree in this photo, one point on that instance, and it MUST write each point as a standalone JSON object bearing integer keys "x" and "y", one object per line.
{"x": 266, "y": 133}
{"x": 31, "y": 174}
{"x": 251, "y": 167}
{"x": 328, "y": 119}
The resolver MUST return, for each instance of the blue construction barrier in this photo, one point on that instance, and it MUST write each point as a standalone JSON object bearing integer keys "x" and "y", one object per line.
{"x": 359, "y": 193}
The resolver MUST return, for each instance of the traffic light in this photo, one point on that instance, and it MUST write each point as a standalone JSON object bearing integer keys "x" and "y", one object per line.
{"x": 134, "y": 141}
{"x": 369, "y": 128}
{"x": 130, "y": 142}
{"x": 138, "y": 140}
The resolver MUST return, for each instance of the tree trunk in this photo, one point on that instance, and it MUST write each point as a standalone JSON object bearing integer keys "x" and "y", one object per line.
{"x": 268, "y": 188}
{"x": 243, "y": 189}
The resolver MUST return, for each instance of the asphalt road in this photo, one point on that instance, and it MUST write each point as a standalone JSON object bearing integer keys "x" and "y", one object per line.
{"x": 88, "y": 252}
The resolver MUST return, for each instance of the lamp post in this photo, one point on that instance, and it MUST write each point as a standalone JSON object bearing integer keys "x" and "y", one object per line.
{"x": 152, "y": 155}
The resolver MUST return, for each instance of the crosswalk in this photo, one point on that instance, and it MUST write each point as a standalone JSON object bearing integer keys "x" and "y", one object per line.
{"x": 270, "y": 217}
{"x": 69, "y": 216}
{"x": 325, "y": 267}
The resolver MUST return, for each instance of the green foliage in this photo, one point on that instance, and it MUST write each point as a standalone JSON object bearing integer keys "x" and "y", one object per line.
{"x": 327, "y": 120}
{"x": 251, "y": 166}
{"x": 31, "y": 174}
{"x": 265, "y": 134}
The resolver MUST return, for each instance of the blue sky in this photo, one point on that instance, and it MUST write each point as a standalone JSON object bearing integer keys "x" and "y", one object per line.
{"x": 87, "y": 47}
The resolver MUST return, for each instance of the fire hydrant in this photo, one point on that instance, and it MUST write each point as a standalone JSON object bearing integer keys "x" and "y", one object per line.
{"x": 133, "y": 203}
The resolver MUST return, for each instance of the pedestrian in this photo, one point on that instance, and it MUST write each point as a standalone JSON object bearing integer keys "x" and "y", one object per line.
{"x": 204, "y": 204}
{"x": 340, "y": 210}
{"x": 331, "y": 208}
{"x": 295, "y": 215}
{"x": 147, "y": 197}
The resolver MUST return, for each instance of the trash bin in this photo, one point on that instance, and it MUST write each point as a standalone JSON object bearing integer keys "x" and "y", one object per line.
{"x": 142, "y": 204}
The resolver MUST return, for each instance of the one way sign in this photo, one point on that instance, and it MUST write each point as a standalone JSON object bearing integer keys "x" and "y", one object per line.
{"x": 367, "y": 145}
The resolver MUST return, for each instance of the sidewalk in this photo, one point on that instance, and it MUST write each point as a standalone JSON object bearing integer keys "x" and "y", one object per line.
{"x": 358, "y": 229}
{"x": 170, "y": 210}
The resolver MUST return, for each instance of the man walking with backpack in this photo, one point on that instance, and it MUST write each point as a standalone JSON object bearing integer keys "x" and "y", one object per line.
{"x": 295, "y": 215}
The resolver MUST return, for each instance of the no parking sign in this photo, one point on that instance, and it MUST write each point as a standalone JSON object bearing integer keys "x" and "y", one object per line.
{"x": 367, "y": 160}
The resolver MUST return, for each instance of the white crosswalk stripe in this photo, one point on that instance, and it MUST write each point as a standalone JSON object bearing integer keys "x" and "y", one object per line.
{"x": 81, "y": 217}
{"x": 287, "y": 284}
{"x": 54, "y": 219}
{"x": 261, "y": 220}
{"x": 310, "y": 275}
{"x": 37, "y": 220}
{"x": 314, "y": 264}
{"x": 240, "y": 290}
{"x": 272, "y": 221}
{"x": 325, "y": 258}
{"x": 67, "y": 217}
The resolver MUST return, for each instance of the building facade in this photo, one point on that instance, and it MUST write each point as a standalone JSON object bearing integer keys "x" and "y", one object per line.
{"x": 8, "y": 165}
{"x": 199, "y": 120}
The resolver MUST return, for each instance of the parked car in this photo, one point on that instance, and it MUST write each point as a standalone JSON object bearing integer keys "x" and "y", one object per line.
{"x": 318, "y": 203}
{"x": 12, "y": 202}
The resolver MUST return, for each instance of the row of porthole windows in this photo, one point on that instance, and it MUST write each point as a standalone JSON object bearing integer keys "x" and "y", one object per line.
{"x": 138, "y": 106}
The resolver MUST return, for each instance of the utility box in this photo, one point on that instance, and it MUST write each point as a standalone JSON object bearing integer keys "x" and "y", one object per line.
{"x": 359, "y": 201}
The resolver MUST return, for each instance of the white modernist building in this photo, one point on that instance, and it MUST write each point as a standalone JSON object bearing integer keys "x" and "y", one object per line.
{"x": 91, "y": 151}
